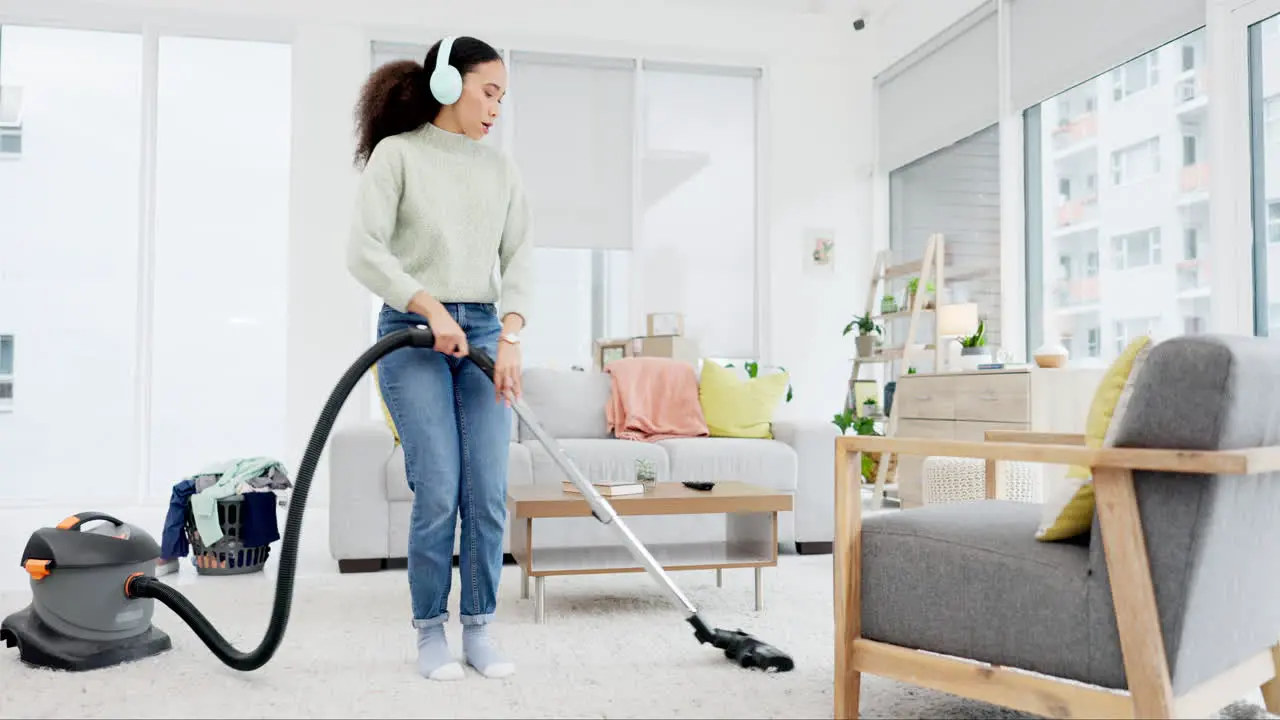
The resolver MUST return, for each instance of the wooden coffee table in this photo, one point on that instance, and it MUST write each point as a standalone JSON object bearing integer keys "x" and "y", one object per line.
{"x": 751, "y": 524}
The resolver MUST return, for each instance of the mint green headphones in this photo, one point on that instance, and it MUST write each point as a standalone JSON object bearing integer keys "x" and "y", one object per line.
{"x": 446, "y": 81}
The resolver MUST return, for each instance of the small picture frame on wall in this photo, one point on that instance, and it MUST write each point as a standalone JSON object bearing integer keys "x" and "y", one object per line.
{"x": 819, "y": 251}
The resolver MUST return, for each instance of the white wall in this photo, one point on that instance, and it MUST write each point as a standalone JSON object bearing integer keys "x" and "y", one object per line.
{"x": 816, "y": 163}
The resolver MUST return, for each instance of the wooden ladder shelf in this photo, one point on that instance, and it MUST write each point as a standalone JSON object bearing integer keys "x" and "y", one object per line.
{"x": 927, "y": 269}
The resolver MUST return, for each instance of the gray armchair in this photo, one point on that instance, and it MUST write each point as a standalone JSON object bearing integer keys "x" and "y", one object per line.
{"x": 1168, "y": 608}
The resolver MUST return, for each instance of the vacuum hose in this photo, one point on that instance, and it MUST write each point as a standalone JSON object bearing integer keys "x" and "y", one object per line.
{"x": 146, "y": 586}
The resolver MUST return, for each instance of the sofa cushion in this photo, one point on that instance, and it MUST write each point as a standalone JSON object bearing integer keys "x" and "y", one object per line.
{"x": 613, "y": 460}
{"x": 567, "y": 403}
{"x": 520, "y": 472}
{"x": 768, "y": 463}
{"x": 970, "y": 579}
{"x": 738, "y": 407}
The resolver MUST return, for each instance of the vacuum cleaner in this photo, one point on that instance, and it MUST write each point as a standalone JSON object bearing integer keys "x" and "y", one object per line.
{"x": 93, "y": 585}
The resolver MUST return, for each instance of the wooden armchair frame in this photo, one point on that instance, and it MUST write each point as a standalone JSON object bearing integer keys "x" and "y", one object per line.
{"x": 1150, "y": 693}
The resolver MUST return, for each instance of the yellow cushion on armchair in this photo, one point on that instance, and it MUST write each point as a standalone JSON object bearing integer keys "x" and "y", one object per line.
{"x": 1069, "y": 509}
{"x": 386, "y": 412}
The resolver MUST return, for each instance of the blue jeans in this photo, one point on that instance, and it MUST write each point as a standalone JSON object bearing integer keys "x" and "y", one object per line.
{"x": 455, "y": 436}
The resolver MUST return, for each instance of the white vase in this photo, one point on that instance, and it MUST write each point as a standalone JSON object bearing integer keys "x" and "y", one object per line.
{"x": 972, "y": 357}
{"x": 1052, "y": 354}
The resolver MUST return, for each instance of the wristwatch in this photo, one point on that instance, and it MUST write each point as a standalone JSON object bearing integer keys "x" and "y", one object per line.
{"x": 512, "y": 338}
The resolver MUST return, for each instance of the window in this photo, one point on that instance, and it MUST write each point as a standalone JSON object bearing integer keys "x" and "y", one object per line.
{"x": 1094, "y": 346}
{"x": 1271, "y": 119}
{"x": 1191, "y": 243}
{"x": 956, "y": 192}
{"x": 219, "y": 321}
{"x": 1136, "y": 162}
{"x": 1137, "y": 249}
{"x": 1133, "y": 328}
{"x": 69, "y": 211}
{"x": 1148, "y": 218}
{"x": 1135, "y": 76}
{"x": 696, "y": 253}
{"x": 6, "y": 373}
{"x": 10, "y": 120}
{"x": 580, "y": 181}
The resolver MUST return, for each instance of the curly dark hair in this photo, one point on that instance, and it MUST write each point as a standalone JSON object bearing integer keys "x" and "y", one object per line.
{"x": 397, "y": 96}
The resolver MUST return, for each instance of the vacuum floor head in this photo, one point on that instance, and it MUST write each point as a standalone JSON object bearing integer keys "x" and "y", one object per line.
{"x": 751, "y": 652}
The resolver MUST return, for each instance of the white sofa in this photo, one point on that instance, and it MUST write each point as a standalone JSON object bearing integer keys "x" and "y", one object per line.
{"x": 370, "y": 497}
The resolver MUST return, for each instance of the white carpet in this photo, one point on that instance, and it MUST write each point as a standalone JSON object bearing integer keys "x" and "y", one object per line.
{"x": 612, "y": 647}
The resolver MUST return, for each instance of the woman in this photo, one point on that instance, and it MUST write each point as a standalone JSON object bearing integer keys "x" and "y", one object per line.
{"x": 436, "y": 212}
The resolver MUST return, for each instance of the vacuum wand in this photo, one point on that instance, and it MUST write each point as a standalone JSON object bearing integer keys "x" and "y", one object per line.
{"x": 738, "y": 646}
{"x": 743, "y": 648}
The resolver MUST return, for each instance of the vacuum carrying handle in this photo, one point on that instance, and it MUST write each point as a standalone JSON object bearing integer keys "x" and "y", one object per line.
{"x": 75, "y": 521}
{"x": 421, "y": 336}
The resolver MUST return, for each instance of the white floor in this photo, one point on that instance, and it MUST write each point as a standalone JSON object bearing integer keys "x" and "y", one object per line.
{"x": 612, "y": 646}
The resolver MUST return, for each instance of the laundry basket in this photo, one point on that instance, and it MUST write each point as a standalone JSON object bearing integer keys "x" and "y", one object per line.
{"x": 229, "y": 555}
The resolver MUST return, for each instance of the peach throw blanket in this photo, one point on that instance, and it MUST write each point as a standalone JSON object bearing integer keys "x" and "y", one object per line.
{"x": 654, "y": 399}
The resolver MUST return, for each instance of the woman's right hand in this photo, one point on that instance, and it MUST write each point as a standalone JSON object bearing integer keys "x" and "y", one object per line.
{"x": 450, "y": 339}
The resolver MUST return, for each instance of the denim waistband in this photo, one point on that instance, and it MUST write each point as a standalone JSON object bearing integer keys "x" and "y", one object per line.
{"x": 459, "y": 310}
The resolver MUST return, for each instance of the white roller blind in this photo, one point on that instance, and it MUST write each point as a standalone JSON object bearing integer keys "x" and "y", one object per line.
{"x": 573, "y": 137}
{"x": 1055, "y": 44}
{"x": 942, "y": 97}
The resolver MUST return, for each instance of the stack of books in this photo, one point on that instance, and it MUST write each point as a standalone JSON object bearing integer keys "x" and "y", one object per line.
{"x": 609, "y": 488}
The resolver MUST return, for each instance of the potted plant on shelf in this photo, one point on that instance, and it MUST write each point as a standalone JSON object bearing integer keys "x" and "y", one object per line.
{"x": 869, "y": 407}
{"x": 973, "y": 349}
{"x": 865, "y": 340}
{"x": 888, "y": 304}
{"x": 912, "y": 286}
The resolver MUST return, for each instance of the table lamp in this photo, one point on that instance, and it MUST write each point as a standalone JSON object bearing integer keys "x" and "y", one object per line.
{"x": 956, "y": 321}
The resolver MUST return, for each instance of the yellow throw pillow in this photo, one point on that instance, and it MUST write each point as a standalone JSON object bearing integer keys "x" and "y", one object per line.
{"x": 737, "y": 407}
{"x": 386, "y": 413}
{"x": 1068, "y": 511}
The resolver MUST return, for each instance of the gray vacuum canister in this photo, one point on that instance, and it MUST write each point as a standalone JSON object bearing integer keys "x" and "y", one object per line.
{"x": 80, "y": 616}
{"x": 78, "y": 577}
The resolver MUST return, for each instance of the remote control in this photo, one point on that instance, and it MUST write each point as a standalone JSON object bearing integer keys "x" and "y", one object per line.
{"x": 698, "y": 485}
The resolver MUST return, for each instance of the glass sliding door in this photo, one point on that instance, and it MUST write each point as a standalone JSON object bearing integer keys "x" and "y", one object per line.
{"x": 70, "y": 123}
{"x": 1264, "y": 97}
{"x": 221, "y": 256}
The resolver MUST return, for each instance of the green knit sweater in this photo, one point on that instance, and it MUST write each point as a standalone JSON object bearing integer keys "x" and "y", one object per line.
{"x": 438, "y": 211}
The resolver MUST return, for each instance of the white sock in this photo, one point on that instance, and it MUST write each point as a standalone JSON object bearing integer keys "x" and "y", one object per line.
{"x": 482, "y": 654}
{"x": 434, "y": 659}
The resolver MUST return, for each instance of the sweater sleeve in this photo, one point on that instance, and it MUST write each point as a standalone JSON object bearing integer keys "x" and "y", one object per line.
{"x": 516, "y": 252}
{"x": 369, "y": 257}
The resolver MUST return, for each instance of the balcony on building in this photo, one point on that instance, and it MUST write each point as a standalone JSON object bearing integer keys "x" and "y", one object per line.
{"x": 1193, "y": 276}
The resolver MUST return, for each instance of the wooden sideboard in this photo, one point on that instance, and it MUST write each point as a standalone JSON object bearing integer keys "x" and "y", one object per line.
{"x": 965, "y": 405}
